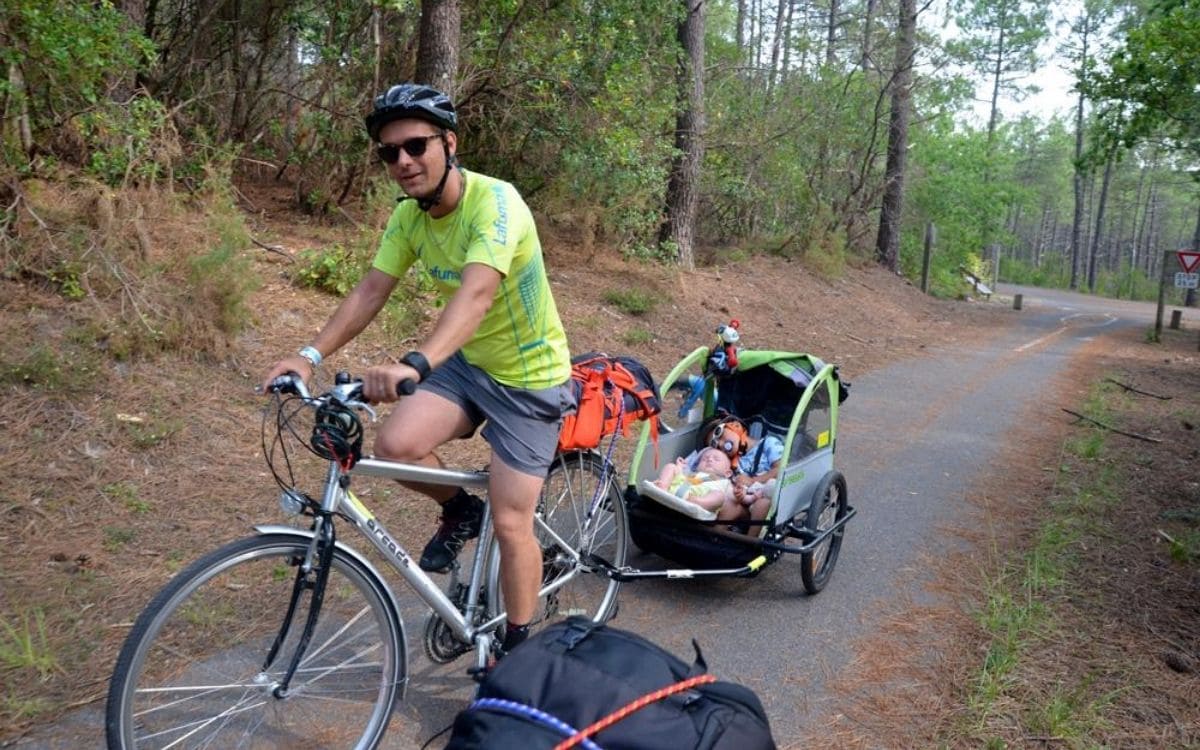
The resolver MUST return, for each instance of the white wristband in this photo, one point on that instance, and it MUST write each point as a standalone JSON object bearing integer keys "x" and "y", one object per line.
{"x": 312, "y": 355}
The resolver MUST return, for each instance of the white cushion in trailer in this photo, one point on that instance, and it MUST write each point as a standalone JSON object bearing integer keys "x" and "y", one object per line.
{"x": 658, "y": 494}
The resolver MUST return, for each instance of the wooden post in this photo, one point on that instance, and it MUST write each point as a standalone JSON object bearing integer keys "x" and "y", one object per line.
{"x": 1176, "y": 315}
{"x": 930, "y": 239}
{"x": 1017, "y": 298}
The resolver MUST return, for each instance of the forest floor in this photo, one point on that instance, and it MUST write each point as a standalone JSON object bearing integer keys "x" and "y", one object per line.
{"x": 107, "y": 489}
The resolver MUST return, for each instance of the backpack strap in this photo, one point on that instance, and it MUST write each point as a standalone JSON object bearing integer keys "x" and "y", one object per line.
{"x": 700, "y": 666}
{"x": 635, "y": 705}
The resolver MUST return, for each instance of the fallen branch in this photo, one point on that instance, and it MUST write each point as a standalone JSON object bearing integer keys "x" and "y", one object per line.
{"x": 1135, "y": 390}
{"x": 277, "y": 249}
{"x": 353, "y": 220}
{"x": 1113, "y": 429}
{"x": 850, "y": 336}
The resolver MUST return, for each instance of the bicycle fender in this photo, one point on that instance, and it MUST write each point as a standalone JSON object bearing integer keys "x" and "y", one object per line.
{"x": 307, "y": 536}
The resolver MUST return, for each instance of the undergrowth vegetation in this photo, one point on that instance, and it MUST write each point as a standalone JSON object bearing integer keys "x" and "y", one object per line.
{"x": 135, "y": 273}
{"x": 1048, "y": 671}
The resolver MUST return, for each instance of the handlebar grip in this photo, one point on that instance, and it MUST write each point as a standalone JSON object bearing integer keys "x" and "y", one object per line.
{"x": 285, "y": 383}
{"x": 406, "y": 387}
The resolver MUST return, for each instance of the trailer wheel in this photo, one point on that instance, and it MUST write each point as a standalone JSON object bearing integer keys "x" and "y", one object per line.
{"x": 828, "y": 506}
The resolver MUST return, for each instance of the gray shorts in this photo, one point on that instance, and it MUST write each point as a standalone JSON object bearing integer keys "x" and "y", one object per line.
{"x": 522, "y": 425}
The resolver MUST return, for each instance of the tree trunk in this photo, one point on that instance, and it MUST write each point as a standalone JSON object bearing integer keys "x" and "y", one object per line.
{"x": 887, "y": 242}
{"x": 787, "y": 41}
{"x": 831, "y": 33}
{"x": 776, "y": 47}
{"x": 1039, "y": 239}
{"x": 741, "y": 32}
{"x": 1140, "y": 241}
{"x": 756, "y": 35}
{"x": 1096, "y": 235}
{"x": 997, "y": 77}
{"x": 683, "y": 189}
{"x": 20, "y": 95}
{"x": 1077, "y": 223}
{"x": 867, "y": 63}
{"x": 122, "y": 86}
{"x": 437, "y": 54}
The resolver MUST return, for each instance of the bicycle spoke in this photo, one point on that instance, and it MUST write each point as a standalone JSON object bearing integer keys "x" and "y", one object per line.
{"x": 191, "y": 674}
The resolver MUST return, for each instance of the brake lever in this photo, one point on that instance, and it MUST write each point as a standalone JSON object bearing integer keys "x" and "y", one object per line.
{"x": 367, "y": 409}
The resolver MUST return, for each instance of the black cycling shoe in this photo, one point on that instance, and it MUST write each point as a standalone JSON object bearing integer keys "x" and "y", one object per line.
{"x": 462, "y": 516}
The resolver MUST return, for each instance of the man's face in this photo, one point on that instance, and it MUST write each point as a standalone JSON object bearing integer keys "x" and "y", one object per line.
{"x": 713, "y": 461}
{"x": 417, "y": 176}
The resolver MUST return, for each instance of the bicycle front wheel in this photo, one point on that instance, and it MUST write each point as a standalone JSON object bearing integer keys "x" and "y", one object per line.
{"x": 580, "y": 513}
{"x": 194, "y": 671}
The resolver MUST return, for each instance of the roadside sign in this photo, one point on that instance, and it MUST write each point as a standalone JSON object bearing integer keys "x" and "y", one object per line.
{"x": 1187, "y": 280}
{"x": 1189, "y": 260}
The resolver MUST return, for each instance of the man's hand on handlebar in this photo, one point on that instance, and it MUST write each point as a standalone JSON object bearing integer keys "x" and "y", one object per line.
{"x": 293, "y": 364}
{"x": 381, "y": 384}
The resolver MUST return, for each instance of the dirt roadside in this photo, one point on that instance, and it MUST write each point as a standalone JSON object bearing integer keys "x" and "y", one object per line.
{"x": 107, "y": 490}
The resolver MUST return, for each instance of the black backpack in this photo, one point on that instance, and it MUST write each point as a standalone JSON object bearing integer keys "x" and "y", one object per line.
{"x": 576, "y": 673}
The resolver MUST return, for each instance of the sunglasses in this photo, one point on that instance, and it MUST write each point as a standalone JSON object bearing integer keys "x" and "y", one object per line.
{"x": 389, "y": 153}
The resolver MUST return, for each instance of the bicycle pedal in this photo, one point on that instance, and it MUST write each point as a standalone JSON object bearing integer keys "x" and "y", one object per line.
{"x": 479, "y": 674}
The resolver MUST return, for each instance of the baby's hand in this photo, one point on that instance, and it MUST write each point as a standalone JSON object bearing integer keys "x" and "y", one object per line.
{"x": 681, "y": 462}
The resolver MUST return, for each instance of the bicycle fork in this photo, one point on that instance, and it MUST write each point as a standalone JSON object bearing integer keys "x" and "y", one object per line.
{"x": 321, "y": 549}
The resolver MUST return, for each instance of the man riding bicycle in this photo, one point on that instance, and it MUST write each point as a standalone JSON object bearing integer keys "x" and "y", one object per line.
{"x": 498, "y": 352}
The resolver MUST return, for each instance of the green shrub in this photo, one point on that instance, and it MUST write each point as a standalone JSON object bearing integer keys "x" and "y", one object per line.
{"x": 129, "y": 142}
{"x": 332, "y": 269}
{"x": 636, "y": 336}
{"x": 631, "y": 301}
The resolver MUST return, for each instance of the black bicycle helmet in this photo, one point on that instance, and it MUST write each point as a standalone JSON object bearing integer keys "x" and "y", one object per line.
{"x": 411, "y": 100}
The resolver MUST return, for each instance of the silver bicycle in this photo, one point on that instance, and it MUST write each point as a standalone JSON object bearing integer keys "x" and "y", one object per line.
{"x": 292, "y": 639}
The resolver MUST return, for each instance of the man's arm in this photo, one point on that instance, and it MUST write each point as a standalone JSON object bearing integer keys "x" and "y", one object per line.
{"x": 354, "y": 313}
{"x": 358, "y": 309}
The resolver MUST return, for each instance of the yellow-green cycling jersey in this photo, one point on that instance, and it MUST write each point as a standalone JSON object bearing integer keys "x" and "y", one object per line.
{"x": 520, "y": 342}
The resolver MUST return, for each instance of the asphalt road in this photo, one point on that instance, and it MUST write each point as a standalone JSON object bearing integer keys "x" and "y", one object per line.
{"x": 913, "y": 437}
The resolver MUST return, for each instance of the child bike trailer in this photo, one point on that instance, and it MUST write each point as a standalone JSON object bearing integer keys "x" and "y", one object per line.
{"x": 787, "y": 404}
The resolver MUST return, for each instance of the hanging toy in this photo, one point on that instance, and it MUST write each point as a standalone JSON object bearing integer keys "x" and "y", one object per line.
{"x": 723, "y": 359}
{"x": 729, "y": 337}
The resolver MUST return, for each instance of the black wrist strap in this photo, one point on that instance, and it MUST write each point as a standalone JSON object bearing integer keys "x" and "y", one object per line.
{"x": 417, "y": 361}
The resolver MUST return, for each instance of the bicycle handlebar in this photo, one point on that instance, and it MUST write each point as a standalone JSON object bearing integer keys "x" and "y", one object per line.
{"x": 346, "y": 390}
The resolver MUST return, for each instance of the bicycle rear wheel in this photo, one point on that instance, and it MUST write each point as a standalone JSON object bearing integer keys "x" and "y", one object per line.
{"x": 191, "y": 673}
{"x": 567, "y": 535}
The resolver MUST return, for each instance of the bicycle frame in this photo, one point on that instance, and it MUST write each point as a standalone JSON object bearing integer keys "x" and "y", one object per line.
{"x": 338, "y": 499}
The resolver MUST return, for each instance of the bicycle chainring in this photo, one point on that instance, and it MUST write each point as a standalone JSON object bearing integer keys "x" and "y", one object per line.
{"x": 442, "y": 646}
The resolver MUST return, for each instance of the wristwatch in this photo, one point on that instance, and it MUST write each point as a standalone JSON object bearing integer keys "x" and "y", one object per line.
{"x": 417, "y": 361}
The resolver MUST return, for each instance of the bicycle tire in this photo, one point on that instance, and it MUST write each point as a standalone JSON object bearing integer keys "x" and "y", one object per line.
{"x": 190, "y": 673}
{"x": 566, "y": 496}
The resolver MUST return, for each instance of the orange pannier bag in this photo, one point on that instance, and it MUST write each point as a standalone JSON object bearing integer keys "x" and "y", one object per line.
{"x": 611, "y": 394}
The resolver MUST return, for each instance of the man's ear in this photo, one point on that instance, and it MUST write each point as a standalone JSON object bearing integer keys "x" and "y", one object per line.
{"x": 452, "y": 142}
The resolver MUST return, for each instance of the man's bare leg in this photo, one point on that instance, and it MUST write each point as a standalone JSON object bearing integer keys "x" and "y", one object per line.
{"x": 419, "y": 424}
{"x": 514, "y": 496}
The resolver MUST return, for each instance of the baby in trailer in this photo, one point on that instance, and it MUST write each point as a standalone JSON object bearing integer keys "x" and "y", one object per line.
{"x": 710, "y": 486}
